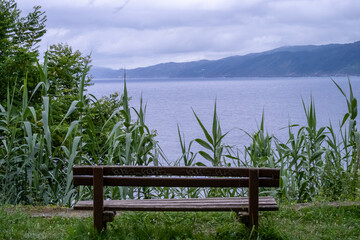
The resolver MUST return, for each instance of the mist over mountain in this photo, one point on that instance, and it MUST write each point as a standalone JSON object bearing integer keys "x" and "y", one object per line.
{"x": 289, "y": 61}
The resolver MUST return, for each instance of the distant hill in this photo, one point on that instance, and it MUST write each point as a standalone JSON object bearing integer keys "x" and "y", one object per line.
{"x": 291, "y": 61}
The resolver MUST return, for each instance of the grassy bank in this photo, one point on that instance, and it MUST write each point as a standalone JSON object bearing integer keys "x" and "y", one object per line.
{"x": 311, "y": 222}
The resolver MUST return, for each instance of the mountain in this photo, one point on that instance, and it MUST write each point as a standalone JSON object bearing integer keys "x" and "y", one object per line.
{"x": 289, "y": 61}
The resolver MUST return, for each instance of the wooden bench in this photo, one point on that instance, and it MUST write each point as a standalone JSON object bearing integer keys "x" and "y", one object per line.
{"x": 149, "y": 176}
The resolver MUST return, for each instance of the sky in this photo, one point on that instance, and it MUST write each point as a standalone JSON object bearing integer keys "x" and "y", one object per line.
{"x": 137, "y": 33}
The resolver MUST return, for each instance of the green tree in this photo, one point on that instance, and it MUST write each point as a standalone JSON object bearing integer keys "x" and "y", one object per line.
{"x": 66, "y": 69}
{"x": 19, "y": 43}
{"x": 67, "y": 74}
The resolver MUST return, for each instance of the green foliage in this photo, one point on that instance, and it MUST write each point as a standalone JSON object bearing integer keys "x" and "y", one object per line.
{"x": 260, "y": 152}
{"x": 19, "y": 39}
{"x": 187, "y": 157}
{"x": 303, "y": 157}
{"x": 213, "y": 142}
{"x": 351, "y": 140}
{"x": 50, "y": 124}
{"x": 315, "y": 162}
{"x": 39, "y": 144}
{"x": 66, "y": 69}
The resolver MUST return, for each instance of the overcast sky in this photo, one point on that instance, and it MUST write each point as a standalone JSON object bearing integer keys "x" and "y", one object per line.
{"x": 133, "y": 33}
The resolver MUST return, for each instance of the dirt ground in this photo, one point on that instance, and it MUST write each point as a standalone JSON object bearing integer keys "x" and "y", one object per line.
{"x": 49, "y": 211}
{"x": 52, "y": 211}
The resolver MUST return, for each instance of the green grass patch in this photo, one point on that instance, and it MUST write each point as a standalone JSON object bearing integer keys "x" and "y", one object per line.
{"x": 315, "y": 222}
{"x": 324, "y": 222}
{"x": 18, "y": 224}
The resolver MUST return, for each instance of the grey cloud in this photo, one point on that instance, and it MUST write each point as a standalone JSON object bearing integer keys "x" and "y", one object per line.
{"x": 146, "y": 32}
{"x": 117, "y": 9}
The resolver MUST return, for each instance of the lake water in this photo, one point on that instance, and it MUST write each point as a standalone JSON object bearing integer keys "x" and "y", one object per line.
{"x": 240, "y": 103}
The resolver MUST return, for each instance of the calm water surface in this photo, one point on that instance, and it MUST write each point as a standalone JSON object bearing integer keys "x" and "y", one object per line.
{"x": 240, "y": 103}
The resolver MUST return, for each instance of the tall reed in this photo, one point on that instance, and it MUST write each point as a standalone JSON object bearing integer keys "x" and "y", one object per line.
{"x": 39, "y": 146}
{"x": 38, "y": 149}
{"x": 315, "y": 162}
{"x": 213, "y": 140}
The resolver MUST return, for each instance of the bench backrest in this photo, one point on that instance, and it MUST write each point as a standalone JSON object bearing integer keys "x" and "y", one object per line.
{"x": 158, "y": 176}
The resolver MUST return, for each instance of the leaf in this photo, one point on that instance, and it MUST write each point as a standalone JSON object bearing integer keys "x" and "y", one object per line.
{"x": 82, "y": 84}
{"x": 111, "y": 116}
{"x": 206, "y": 156}
{"x": 73, "y": 150}
{"x": 284, "y": 146}
{"x": 33, "y": 112}
{"x": 200, "y": 164}
{"x": 2, "y": 108}
{"x": 4, "y": 129}
{"x": 66, "y": 151}
{"x": 339, "y": 88}
{"x": 35, "y": 89}
{"x": 353, "y": 108}
{"x": 357, "y": 142}
{"x": 320, "y": 138}
{"x": 70, "y": 129}
{"x": 182, "y": 143}
{"x": 70, "y": 110}
{"x": 316, "y": 155}
{"x": 219, "y": 140}
{"x": 215, "y": 122}
{"x": 207, "y": 135}
{"x": 231, "y": 157}
{"x": 66, "y": 199}
{"x": 116, "y": 126}
{"x": 128, "y": 138}
{"x": 204, "y": 144}
{"x": 28, "y": 128}
{"x": 346, "y": 116}
{"x": 45, "y": 120}
{"x": 46, "y": 104}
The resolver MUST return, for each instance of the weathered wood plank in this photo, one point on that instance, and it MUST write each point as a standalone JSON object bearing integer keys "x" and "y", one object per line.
{"x": 208, "y": 204}
{"x": 189, "y": 200}
{"x": 176, "y": 171}
{"x": 173, "y": 182}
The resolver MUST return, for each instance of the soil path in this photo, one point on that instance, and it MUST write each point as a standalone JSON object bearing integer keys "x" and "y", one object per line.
{"x": 49, "y": 211}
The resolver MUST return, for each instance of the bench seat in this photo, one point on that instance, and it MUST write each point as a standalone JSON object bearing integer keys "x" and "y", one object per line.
{"x": 237, "y": 204}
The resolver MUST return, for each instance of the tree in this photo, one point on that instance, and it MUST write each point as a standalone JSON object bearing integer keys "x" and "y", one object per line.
{"x": 66, "y": 68}
{"x": 67, "y": 73}
{"x": 19, "y": 43}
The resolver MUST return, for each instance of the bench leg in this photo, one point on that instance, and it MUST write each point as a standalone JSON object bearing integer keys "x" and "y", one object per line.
{"x": 98, "y": 183}
{"x": 243, "y": 217}
{"x": 253, "y": 199}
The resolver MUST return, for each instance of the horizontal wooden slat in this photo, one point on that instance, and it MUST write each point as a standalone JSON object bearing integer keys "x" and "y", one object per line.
{"x": 197, "y": 204}
{"x": 173, "y": 181}
{"x": 176, "y": 171}
{"x": 264, "y": 182}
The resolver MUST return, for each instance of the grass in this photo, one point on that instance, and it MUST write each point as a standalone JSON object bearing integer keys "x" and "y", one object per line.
{"x": 324, "y": 222}
{"x": 20, "y": 225}
{"x": 312, "y": 222}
